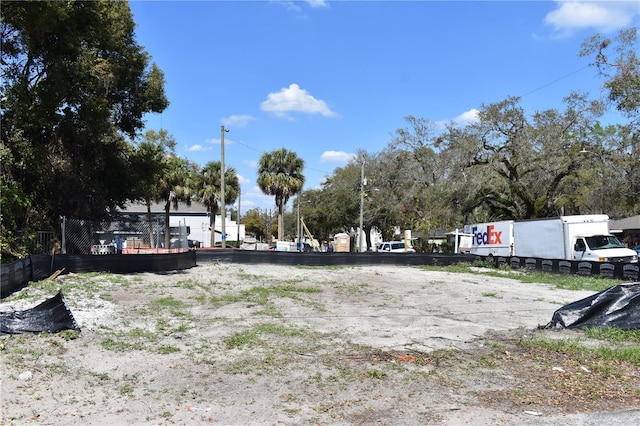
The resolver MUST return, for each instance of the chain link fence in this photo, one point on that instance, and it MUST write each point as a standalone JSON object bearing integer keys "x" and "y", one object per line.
{"x": 123, "y": 235}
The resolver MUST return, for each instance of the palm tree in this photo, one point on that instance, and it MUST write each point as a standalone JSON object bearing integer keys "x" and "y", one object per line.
{"x": 209, "y": 190}
{"x": 175, "y": 186}
{"x": 280, "y": 174}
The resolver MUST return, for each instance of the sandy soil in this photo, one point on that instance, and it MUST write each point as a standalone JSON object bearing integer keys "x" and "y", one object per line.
{"x": 235, "y": 344}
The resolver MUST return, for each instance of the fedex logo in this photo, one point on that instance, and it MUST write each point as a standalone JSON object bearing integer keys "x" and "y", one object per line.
{"x": 486, "y": 238}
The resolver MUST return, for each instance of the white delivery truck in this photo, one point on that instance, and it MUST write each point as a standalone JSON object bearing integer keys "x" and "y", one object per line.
{"x": 581, "y": 237}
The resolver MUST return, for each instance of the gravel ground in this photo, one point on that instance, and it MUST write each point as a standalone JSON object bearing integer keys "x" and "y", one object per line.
{"x": 232, "y": 344}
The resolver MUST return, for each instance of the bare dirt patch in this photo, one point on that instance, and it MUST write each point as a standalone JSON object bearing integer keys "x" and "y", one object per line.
{"x": 269, "y": 344}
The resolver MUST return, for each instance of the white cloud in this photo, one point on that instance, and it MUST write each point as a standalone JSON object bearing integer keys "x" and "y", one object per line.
{"x": 294, "y": 99}
{"x": 467, "y": 117}
{"x": 216, "y": 141}
{"x": 242, "y": 180}
{"x": 604, "y": 16}
{"x": 258, "y": 196}
{"x": 317, "y": 3}
{"x": 293, "y": 4}
{"x": 336, "y": 157}
{"x": 197, "y": 147}
{"x": 237, "y": 120}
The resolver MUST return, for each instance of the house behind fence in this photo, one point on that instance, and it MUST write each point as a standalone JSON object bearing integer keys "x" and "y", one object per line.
{"x": 124, "y": 235}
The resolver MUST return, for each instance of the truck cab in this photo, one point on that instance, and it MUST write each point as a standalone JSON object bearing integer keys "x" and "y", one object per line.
{"x": 602, "y": 248}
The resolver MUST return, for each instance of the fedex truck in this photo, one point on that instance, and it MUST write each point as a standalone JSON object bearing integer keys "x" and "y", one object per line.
{"x": 581, "y": 237}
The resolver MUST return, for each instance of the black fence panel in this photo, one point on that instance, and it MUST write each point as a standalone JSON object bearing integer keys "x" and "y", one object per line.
{"x": 618, "y": 270}
{"x": 18, "y": 274}
{"x": 124, "y": 264}
{"x": 41, "y": 266}
{"x": 15, "y": 276}
{"x": 328, "y": 259}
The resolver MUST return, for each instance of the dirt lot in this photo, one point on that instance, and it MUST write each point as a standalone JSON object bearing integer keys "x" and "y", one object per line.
{"x": 236, "y": 344}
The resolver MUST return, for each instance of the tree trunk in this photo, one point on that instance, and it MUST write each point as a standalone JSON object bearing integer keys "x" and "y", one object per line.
{"x": 212, "y": 225}
{"x": 167, "y": 236}
{"x": 152, "y": 240}
{"x": 367, "y": 235}
{"x": 280, "y": 221}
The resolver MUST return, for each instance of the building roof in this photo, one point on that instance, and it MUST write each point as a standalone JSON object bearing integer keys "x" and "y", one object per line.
{"x": 626, "y": 224}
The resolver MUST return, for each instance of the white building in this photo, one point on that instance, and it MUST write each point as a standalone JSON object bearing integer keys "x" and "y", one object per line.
{"x": 196, "y": 218}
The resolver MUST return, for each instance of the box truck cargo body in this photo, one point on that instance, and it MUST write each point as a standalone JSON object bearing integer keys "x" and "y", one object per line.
{"x": 581, "y": 237}
{"x": 492, "y": 239}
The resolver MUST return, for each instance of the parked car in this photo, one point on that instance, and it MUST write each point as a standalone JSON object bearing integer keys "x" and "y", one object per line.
{"x": 637, "y": 250}
{"x": 394, "y": 247}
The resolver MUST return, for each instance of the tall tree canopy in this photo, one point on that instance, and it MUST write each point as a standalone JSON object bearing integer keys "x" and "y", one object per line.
{"x": 75, "y": 83}
{"x": 519, "y": 166}
{"x": 621, "y": 70}
{"x": 280, "y": 174}
{"x": 151, "y": 166}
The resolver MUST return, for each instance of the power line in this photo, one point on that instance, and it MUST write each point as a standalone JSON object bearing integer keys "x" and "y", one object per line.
{"x": 263, "y": 152}
{"x": 521, "y": 96}
{"x": 555, "y": 81}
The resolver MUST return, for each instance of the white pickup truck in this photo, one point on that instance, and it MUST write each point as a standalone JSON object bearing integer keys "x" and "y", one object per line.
{"x": 394, "y": 247}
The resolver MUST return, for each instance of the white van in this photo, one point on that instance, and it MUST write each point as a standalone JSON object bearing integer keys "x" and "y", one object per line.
{"x": 394, "y": 247}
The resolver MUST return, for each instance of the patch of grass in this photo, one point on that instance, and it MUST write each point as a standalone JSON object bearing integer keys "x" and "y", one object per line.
{"x": 120, "y": 346}
{"x": 201, "y": 298}
{"x": 569, "y": 282}
{"x": 126, "y": 389}
{"x": 69, "y": 334}
{"x": 376, "y": 374}
{"x": 248, "y": 277}
{"x": 612, "y": 334}
{"x": 167, "y": 349}
{"x": 253, "y": 336}
{"x": 567, "y": 346}
{"x": 262, "y": 296}
{"x": 189, "y": 284}
{"x": 225, "y": 299}
{"x": 620, "y": 354}
{"x": 270, "y": 310}
{"x": 354, "y": 289}
{"x": 167, "y": 302}
{"x": 288, "y": 290}
{"x": 577, "y": 349}
{"x": 138, "y": 333}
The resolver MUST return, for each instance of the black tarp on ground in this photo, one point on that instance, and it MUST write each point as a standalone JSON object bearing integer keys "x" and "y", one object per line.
{"x": 618, "y": 306}
{"x": 50, "y": 316}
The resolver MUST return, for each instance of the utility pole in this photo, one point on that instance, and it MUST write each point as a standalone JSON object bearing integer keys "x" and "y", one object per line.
{"x": 298, "y": 227}
{"x": 238, "y": 224}
{"x": 223, "y": 208}
{"x": 362, "y": 184}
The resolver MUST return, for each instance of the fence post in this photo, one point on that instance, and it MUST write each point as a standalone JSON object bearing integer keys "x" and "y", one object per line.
{"x": 63, "y": 248}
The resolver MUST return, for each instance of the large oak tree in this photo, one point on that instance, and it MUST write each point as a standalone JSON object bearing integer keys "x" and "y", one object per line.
{"x": 75, "y": 85}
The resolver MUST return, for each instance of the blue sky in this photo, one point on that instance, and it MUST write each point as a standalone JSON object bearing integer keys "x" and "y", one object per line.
{"x": 326, "y": 78}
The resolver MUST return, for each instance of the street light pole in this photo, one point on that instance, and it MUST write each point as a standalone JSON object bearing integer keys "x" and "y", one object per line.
{"x": 223, "y": 208}
{"x": 362, "y": 183}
